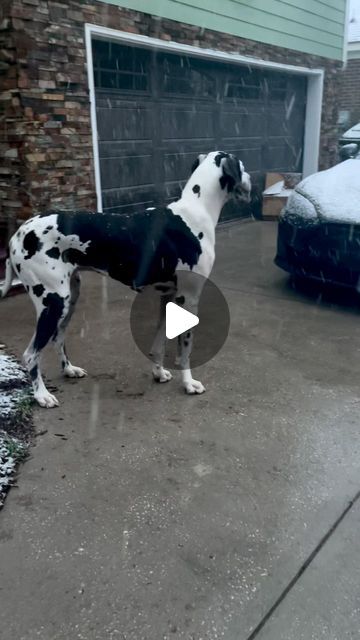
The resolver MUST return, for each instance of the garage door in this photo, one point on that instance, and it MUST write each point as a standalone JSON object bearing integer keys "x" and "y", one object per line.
{"x": 156, "y": 111}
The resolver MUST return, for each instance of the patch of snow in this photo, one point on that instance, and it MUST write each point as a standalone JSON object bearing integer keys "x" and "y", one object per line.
{"x": 8, "y": 462}
{"x": 334, "y": 194}
{"x": 278, "y": 189}
{"x": 10, "y": 369}
{"x": 8, "y": 401}
{"x": 13, "y": 381}
{"x": 298, "y": 205}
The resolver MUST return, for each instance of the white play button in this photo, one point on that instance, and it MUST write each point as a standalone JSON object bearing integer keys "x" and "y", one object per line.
{"x": 178, "y": 320}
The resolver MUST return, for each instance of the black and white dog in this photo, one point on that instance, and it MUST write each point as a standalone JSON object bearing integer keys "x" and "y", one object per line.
{"x": 159, "y": 247}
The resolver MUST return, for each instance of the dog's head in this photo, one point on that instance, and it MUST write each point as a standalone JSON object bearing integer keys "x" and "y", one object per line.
{"x": 232, "y": 175}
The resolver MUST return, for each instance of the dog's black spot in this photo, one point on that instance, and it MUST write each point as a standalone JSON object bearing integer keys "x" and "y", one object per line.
{"x": 227, "y": 181}
{"x": 18, "y": 267}
{"x": 31, "y": 244}
{"x": 38, "y": 289}
{"x": 200, "y": 235}
{"x": 231, "y": 173}
{"x": 33, "y": 373}
{"x": 48, "y": 229}
{"x": 219, "y": 156}
{"x": 195, "y": 165}
{"x": 196, "y": 189}
{"x": 13, "y": 252}
{"x": 54, "y": 252}
{"x": 73, "y": 255}
{"x": 48, "y": 320}
{"x": 186, "y": 343}
{"x": 224, "y": 181}
{"x": 180, "y": 300}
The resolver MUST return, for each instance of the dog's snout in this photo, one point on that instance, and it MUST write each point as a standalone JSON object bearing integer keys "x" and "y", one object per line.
{"x": 242, "y": 190}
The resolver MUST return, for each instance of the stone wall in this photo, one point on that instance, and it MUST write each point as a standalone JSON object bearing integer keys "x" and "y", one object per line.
{"x": 45, "y": 119}
{"x": 349, "y": 99}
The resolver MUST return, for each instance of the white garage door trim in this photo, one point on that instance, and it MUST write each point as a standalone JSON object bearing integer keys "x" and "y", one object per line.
{"x": 315, "y": 83}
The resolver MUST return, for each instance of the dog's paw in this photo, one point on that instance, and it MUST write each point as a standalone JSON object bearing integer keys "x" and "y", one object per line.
{"x": 161, "y": 375}
{"x": 74, "y": 372}
{"x": 194, "y": 387}
{"x": 46, "y": 400}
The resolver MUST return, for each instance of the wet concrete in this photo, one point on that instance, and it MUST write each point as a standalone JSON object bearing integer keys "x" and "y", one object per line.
{"x": 145, "y": 514}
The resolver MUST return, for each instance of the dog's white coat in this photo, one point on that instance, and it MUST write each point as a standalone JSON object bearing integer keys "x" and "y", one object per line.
{"x": 199, "y": 208}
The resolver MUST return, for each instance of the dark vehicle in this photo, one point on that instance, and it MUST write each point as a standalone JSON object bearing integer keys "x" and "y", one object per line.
{"x": 319, "y": 228}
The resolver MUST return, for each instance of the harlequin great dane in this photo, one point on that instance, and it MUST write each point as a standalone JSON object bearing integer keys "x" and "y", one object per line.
{"x": 160, "y": 247}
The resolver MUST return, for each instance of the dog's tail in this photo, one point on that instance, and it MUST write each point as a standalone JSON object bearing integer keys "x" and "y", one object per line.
{"x": 9, "y": 277}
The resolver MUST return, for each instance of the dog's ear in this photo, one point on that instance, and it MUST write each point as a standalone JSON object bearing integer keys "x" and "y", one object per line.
{"x": 231, "y": 173}
{"x": 198, "y": 161}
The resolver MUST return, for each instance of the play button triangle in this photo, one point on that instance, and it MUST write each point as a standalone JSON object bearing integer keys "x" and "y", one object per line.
{"x": 178, "y": 320}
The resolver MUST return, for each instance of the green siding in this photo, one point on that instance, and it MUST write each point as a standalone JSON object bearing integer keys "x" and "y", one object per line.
{"x": 310, "y": 26}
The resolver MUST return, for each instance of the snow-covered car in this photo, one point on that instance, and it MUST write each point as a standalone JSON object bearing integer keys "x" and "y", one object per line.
{"x": 319, "y": 228}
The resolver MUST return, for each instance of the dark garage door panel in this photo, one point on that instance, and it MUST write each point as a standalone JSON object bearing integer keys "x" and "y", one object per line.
{"x": 123, "y": 120}
{"x": 180, "y": 123}
{"x": 185, "y": 130}
{"x": 156, "y": 112}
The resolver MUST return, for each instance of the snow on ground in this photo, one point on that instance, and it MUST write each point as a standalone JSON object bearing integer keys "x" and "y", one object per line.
{"x": 10, "y": 370}
{"x": 335, "y": 193}
{"x": 11, "y": 451}
{"x": 13, "y": 393}
{"x": 7, "y": 403}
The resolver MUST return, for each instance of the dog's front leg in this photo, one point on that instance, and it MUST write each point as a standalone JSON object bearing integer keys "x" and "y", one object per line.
{"x": 191, "y": 386}
{"x": 158, "y": 348}
{"x": 188, "y": 296}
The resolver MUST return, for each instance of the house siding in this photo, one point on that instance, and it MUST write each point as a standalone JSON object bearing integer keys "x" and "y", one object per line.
{"x": 45, "y": 128}
{"x": 311, "y": 26}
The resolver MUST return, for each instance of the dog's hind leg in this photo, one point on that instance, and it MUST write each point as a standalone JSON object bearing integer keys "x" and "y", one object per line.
{"x": 68, "y": 369}
{"x": 158, "y": 348}
{"x": 51, "y": 308}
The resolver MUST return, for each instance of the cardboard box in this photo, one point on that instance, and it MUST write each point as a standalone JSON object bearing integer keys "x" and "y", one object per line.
{"x": 278, "y": 187}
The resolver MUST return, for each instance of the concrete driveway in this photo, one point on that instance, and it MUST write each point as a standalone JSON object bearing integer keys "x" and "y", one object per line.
{"x": 144, "y": 514}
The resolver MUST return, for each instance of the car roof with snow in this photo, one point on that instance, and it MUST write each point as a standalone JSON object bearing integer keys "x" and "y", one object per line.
{"x": 332, "y": 195}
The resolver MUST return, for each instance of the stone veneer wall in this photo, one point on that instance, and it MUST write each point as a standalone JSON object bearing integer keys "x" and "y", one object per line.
{"x": 349, "y": 98}
{"x": 45, "y": 131}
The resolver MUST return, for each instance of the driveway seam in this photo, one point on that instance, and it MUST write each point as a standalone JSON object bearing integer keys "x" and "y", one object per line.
{"x": 303, "y": 568}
